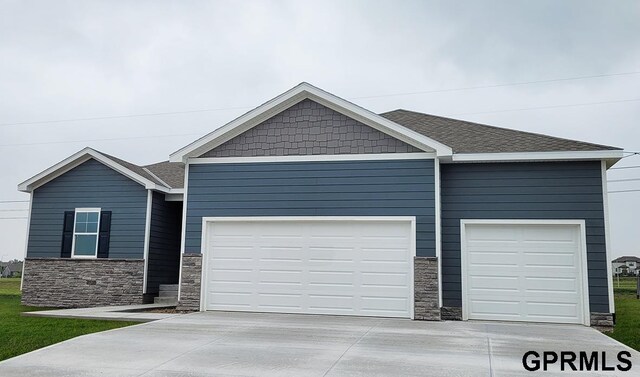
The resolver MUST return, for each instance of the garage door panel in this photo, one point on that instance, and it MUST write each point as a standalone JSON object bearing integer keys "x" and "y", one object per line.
{"x": 552, "y": 284}
{"x": 327, "y": 302}
{"x": 383, "y": 303}
{"x": 560, "y": 310}
{"x": 493, "y": 246}
{"x": 547, "y": 259}
{"x": 491, "y": 234}
{"x": 549, "y": 233}
{"x": 549, "y": 272}
{"x": 231, "y": 275}
{"x": 325, "y": 276}
{"x": 495, "y": 309}
{"x": 324, "y": 267}
{"x": 390, "y": 279}
{"x": 479, "y": 258}
{"x": 231, "y": 298}
{"x": 523, "y": 272}
{"x": 492, "y": 282}
{"x": 278, "y": 300}
{"x": 232, "y": 251}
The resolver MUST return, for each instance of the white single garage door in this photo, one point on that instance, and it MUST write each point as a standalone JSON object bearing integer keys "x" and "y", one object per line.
{"x": 524, "y": 271}
{"x": 310, "y": 265}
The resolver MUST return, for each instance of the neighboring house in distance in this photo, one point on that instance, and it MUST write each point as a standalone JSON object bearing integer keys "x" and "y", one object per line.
{"x": 311, "y": 204}
{"x": 626, "y": 265}
{"x": 10, "y": 269}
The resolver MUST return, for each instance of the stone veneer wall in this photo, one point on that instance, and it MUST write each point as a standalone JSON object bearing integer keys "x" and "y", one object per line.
{"x": 78, "y": 283}
{"x": 427, "y": 306}
{"x": 602, "y": 321}
{"x": 190, "y": 282}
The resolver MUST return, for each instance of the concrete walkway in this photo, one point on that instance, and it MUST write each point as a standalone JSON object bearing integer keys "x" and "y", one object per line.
{"x": 134, "y": 313}
{"x": 254, "y": 344}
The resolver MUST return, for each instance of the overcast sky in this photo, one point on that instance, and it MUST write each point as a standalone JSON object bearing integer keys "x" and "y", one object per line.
{"x": 67, "y": 60}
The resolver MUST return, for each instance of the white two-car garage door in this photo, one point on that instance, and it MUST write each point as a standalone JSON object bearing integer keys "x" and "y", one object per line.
{"x": 524, "y": 271}
{"x": 340, "y": 266}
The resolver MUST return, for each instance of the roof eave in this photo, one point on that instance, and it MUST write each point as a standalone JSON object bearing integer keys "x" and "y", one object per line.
{"x": 611, "y": 156}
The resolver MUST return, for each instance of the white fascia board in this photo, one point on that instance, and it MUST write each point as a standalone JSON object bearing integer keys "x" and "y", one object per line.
{"x": 293, "y": 96}
{"x": 79, "y": 158}
{"x": 537, "y": 156}
{"x": 313, "y": 158}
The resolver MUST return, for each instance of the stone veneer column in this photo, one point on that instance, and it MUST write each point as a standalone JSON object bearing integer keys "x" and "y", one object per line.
{"x": 602, "y": 321}
{"x": 190, "y": 282}
{"x": 82, "y": 283}
{"x": 427, "y": 306}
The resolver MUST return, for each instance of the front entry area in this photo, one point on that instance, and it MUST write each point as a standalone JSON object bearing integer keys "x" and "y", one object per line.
{"x": 317, "y": 265}
{"x": 528, "y": 270}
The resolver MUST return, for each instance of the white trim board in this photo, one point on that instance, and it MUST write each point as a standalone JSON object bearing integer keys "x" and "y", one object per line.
{"x": 438, "y": 225}
{"x": 312, "y": 158}
{"x": 147, "y": 239}
{"x": 183, "y": 231}
{"x": 538, "y": 156}
{"x": 291, "y": 97}
{"x": 207, "y": 220}
{"x": 26, "y": 243}
{"x": 607, "y": 237}
{"x": 79, "y": 158}
{"x": 584, "y": 277}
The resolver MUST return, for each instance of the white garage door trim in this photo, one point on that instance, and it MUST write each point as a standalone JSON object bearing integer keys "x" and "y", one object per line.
{"x": 206, "y": 221}
{"x": 582, "y": 258}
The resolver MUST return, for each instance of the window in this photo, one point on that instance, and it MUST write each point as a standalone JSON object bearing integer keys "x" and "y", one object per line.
{"x": 85, "y": 232}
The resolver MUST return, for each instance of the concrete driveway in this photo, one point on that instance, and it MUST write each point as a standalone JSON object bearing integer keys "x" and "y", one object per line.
{"x": 254, "y": 344}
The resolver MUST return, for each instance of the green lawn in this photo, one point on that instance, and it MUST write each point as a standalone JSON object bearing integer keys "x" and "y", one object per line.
{"x": 23, "y": 334}
{"x": 627, "y": 329}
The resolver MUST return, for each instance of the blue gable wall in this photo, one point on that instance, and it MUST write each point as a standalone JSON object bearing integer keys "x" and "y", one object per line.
{"x": 558, "y": 190}
{"x": 336, "y": 188}
{"x": 90, "y": 184}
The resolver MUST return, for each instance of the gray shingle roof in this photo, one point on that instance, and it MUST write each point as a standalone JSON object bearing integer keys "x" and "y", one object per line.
{"x": 170, "y": 172}
{"x": 469, "y": 137}
{"x": 134, "y": 168}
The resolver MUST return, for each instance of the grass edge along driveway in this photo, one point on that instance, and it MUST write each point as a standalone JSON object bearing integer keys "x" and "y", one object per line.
{"x": 25, "y": 334}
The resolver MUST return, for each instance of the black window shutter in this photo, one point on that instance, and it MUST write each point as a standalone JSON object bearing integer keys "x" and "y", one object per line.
{"x": 104, "y": 234}
{"x": 67, "y": 234}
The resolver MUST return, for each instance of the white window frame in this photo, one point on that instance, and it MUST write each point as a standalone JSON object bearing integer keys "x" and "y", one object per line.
{"x": 97, "y": 233}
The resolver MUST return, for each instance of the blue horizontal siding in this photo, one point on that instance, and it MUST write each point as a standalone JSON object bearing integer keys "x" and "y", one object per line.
{"x": 336, "y": 188}
{"x": 552, "y": 190}
{"x": 90, "y": 184}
